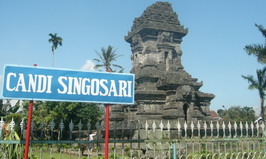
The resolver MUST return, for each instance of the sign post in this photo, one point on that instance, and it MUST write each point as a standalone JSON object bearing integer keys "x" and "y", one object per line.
{"x": 27, "y": 142}
{"x": 43, "y": 84}
{"x": 107, "y": 109}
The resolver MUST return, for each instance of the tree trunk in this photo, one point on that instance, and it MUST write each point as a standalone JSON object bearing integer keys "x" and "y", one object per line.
{"x": 262, "y": 108}
{"x": 53, "y": 60}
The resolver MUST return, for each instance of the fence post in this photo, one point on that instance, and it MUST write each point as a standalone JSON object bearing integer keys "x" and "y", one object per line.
{"x": 1, "y": 128}
{"x": 174, "y": 150}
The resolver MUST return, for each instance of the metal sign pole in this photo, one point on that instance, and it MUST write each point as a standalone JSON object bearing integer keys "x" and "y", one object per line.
{"x": 107, "y": 108}
{"x": 28, "y": 130}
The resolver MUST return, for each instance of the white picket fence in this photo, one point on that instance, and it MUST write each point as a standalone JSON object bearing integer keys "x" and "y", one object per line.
{"x": 162, "y": 139}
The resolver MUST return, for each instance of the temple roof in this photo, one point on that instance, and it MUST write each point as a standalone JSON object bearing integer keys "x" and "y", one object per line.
{"x": 159, "y": 16}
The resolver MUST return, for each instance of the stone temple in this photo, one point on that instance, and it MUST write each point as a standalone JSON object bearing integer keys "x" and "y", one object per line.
{"x": 164, "y": 91}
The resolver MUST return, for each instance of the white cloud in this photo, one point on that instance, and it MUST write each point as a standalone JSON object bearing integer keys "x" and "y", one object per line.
{"x": 89, "y": 65}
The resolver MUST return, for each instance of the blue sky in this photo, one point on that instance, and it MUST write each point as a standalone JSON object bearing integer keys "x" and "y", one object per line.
{"x": 212, "y": 50}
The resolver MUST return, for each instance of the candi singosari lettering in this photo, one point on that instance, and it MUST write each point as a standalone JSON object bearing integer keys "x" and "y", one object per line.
{"x": 38, "y": 83}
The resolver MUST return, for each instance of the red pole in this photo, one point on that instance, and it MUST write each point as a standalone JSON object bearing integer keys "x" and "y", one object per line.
{"x": 107, "y": 107}
{"x": 28, "y": 130}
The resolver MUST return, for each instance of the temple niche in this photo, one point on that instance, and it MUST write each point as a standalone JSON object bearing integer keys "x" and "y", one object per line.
{"x": 164, "y": 91}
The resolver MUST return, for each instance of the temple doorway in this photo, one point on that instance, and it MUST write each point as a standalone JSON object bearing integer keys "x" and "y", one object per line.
{"x": 185, "y": 109}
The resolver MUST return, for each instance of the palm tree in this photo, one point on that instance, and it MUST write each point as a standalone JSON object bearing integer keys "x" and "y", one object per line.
{"x": 260, "y": 85}
{"x": 106, "y": 59}
{"x": 55, "y": 40}
{"x": 258, "y": 50}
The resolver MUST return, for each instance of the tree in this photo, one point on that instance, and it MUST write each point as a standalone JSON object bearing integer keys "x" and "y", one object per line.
{"x": 55, "y": 40}
{"x": 258, "y": 50}
{"x": 9, "y": 113}
{"x": 106, "y": 59}
{"x": 6, "y": 109}
{"x": 260, "y": 85}
{"x": 237, "y": 113}
{"x": 66, "y": 111}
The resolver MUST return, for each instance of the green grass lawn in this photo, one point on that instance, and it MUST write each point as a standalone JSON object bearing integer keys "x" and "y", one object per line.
{"x": 66, "y": 152}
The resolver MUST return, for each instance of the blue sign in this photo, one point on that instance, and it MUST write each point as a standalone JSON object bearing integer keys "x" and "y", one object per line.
{"x": 34, "y": 83}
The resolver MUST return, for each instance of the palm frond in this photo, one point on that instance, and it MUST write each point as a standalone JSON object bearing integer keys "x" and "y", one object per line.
{"x": 107, "y": 57}
{"x": 98, "y": 66}
{"x": 257, "y": 50}
{"x": 53, "y": 35}
{"x": 55, "y": 40}
{"x": 259, "y": 83}
{"x": 253, "y": 84}
{"x": 121, "y": 71}
{"x": 97, "y": 60}
{"x": 115, "y": 65}
{"x": 60, "y": 41}
{"x": 101, "y": 56}
{"x": 261, "y": 29}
